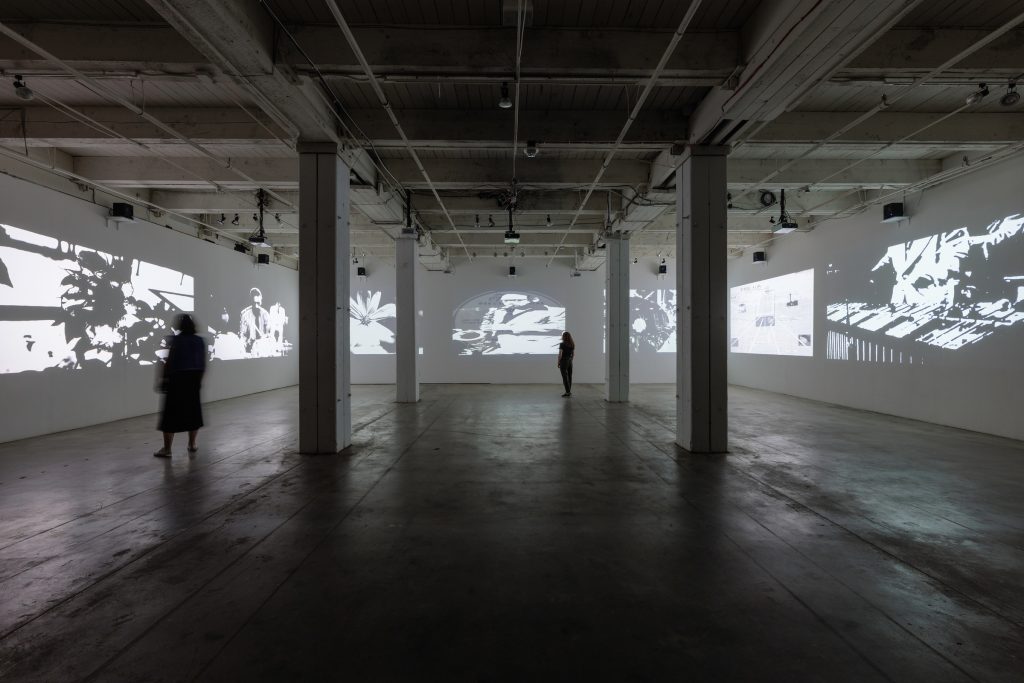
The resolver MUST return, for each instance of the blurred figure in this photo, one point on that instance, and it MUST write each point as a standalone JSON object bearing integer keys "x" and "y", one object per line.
{"x": 181, "y": 379}
{"x": 566, "y": 351}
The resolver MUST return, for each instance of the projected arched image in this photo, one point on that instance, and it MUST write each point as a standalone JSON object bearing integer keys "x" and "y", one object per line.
{"x": 261, "y": 330}
{"x": 946, "y": 291}
{"x": 66, "y": 306}
{"x": 372, "y": 324}
{"x": 508, "y": 323}
{"x": 773, "y": 316}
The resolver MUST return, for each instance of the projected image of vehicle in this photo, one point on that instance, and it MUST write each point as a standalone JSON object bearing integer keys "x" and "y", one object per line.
{"x": 773, "y": 316}
{"x": 508, "y": 323}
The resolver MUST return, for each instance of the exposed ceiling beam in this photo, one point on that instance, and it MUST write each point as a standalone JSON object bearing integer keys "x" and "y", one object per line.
{"x": 485, "y": 53}
{"x": 963, "y": 129}
{"x": 238, "y": 38}
{"x": 792, "y": 46}
{"x": 474, "y": 174}
{"x": 475, "y": 53}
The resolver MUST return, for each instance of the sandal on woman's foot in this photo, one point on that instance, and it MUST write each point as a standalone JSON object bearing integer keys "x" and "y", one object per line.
{"x": 162, "y": 453}
{"x": 193, "y": 449}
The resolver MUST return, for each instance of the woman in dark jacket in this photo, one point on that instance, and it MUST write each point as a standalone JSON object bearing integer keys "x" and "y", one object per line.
{"x": 566, "y": 350}
{"x": 181, "y": 380}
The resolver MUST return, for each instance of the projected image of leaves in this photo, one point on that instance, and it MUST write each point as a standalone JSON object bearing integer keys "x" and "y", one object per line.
{"x": 66, "y": 306}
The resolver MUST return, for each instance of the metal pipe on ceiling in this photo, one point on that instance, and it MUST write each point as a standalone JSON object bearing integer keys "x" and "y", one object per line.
{"x": 520, "y": 29}
{"x": 382, "y": 98}
{"x": 666, "y": 55}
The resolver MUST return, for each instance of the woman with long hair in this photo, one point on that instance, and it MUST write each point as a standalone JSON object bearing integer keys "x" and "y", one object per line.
{"x": 566, "y": 351}
{"x": 181, "y": 379}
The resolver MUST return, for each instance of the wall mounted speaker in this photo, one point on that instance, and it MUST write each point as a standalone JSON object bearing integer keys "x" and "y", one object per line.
{"x": 262, "y": 259}
{"x": 760, "y": 257}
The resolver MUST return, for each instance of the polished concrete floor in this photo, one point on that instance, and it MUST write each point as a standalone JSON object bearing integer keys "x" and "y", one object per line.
{"x": 502, "y": 533}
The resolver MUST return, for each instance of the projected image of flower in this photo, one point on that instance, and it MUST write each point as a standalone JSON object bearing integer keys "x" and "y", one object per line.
{"x": 372, "y": 328}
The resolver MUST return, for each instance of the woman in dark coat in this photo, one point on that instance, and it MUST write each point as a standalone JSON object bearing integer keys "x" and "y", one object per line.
{"x": 181, "y": 380}
{"x": 566, "y": 351}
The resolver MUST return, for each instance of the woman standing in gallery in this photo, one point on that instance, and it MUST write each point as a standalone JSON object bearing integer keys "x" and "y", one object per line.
{"x": 181, "y": 380}
{"x": 566, "y": 350}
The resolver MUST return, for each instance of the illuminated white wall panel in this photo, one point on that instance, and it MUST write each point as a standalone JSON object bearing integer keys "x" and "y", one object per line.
{"x": 85, "y": 307}
{"x": 922, "y": 318}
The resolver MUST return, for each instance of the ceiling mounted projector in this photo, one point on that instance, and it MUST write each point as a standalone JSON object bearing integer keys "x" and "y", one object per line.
{"x": 511, "y": 237}
{"x": 893, "y": 213}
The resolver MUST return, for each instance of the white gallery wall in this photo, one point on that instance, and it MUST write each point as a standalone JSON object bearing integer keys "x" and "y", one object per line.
{"x": 921, "y": 319}
{"x": 454, "y": 339}
{"x": 84, "y": 305}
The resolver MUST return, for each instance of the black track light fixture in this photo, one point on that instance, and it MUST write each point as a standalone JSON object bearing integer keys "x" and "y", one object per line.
{"x": 978, "y": 95}
{"x": 220, "y": 221}
{"x": 234, "y": 221}
{"x": 22, "y": 90}
{"x": 505, "y": 102}
{"x": 1012, "y": 97}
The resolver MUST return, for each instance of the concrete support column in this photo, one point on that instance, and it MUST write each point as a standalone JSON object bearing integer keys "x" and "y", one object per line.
{"x": 617, "y": 334}
{"x": 406, "y": 345}
{"x": 703, "y": 299}
{"x": 325, "y": 408}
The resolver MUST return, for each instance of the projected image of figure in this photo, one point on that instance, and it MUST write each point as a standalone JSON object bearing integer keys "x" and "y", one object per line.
{"x": 261, "y": 332}
{"x": 508, "y": 323}
{"x": 948, "y": 290}
{"x": 64, "y": 306}
{"x": 653, "y": 314}
{"x": 372, "y": 327}
{"x": 773, "y": 316}
{"x": 254, "y": 322}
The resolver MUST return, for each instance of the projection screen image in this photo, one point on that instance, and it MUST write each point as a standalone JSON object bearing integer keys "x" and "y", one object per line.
{"x": 64, "y": 306}
{"x": 773, "y": 316}
{"x": 943, "y": 292}
{"x": 508, "y": 323}
{"x": 653, "y": 320}
{"x": 253, "y": 330}
{"x": 372, "y": 324}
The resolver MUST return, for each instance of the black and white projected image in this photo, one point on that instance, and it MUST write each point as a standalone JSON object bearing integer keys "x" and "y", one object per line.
{"x": 946, "y": 291}
{"x": 508, "y": 323}
{"x": 248, "y": 329}
{"x": 372, "y": 327}
{"x": 653, "y": 315}
{"x": 773, "y": 316}
{"x": 64, "y": 306}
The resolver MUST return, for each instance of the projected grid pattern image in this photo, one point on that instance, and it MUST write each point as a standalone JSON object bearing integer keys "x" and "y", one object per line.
{"x": 65, "y": 306}
{"x": 773, "y": 316}
{"x": 945, "y": 291}
{"x": 508, "y": 323}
